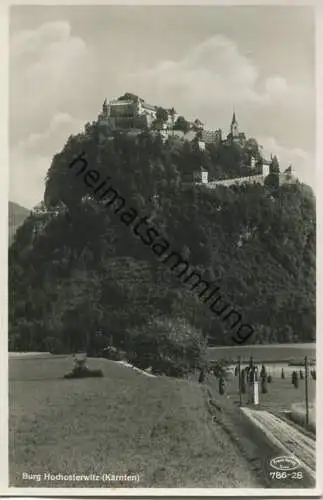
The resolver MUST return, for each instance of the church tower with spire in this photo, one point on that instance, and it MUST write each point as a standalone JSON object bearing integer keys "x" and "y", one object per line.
{"x": 234, "y": 127}
{"x": 235, "y": 136}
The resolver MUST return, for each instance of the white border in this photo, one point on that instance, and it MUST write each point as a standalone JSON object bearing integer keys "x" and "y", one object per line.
{"x": 99, "y": 492}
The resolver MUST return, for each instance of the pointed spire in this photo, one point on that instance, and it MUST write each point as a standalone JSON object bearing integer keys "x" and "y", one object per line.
{"x": 234, "y": 119}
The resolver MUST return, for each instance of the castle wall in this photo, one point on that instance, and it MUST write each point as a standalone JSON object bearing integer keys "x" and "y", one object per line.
{"x": 252, "y": 179}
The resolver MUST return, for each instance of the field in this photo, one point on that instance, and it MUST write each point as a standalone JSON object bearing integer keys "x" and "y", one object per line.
{"x": 281, "y": 393}
{"x": 265, "y": 353}
{"x": 124, "y": 423}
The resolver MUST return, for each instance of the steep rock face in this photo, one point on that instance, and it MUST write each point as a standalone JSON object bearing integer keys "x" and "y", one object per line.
{"x": 17, "y": 215}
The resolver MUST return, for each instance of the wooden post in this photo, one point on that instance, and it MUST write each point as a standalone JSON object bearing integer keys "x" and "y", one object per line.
{"x": 306, "y": 392}
{"x": 239, "y": 372}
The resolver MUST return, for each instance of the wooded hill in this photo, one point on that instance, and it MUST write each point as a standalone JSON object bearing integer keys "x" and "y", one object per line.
{"x": 17, "y": 214}
{"x": 78, "y": 270}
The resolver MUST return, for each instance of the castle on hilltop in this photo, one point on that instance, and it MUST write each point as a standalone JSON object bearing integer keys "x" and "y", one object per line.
{"x": 132, "y": 114}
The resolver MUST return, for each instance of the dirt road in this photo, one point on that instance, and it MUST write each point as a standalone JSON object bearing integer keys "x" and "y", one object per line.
{"x": 289, "y": 439}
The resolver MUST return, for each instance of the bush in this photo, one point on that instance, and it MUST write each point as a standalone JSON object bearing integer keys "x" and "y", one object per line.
{"x": 53, "y": 345}
{"x": 301, "y": 376}
{"x": 220, "y": 368}
{"x": 313, "y": 374}
{"x": 283, "y": 373}
{"x": 295, "y": 379}
{"x": 263, "y": 372}
{"x": 264, "y": 386}
{"x": 182, "y": 124}
{"x": 112, "y": 353}
{"x": 243, "y": 382}
{"x": 171, "y": 346}
{"x": 201, "y": 377}
{"x": 85, "y": 373}
{"x": 269, "y": 379}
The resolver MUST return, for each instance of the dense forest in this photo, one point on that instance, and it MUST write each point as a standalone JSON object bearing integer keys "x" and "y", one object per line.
{"x": 76, "y": 273}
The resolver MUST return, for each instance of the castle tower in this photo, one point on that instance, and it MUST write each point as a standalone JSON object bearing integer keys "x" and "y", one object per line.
{"x": 105, "y": 108}
{"x": 234, "y": 127}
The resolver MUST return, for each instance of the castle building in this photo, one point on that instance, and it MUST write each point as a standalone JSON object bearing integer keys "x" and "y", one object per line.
{"x": 132, "y": 114}
{"x": 212, "y": 136}
{"x": 127, "y": 112}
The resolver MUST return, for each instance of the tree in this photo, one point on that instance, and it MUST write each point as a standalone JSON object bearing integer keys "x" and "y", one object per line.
{"x": 243, "y": 382}
{"x": 172, "y": 114}
{"x": 264, "y": 386}
{"x": 162, "y": 114}
{"x": 197, "y": 125}
{"x": 263, "y": 372}
{"x": 181, "y": 124}
{"x": 170, "y": 346}
{"x": 252, "y": 146}
{"x": 221, "y": 386}
{"x": 128, "y": 96}
{"x": 295, "y": 379}
{"x": 274, "y": 166}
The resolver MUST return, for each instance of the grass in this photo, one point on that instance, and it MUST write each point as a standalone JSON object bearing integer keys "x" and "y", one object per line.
{"x": 281, "y": 393}
{"x": 298, "y": 415}
{"x": 124, "y": 423}
{"x": 272, "y": 353}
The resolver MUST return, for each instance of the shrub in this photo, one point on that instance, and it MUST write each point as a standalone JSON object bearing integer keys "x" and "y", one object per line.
{"x": 112, "y": 353}
{"x": 243, "y": 382}
{"x": 295, "y": 379}
{"x": 53, "y": 345}
{"x": 301, "y": 376}
{"x": 313, "y": 374}
{"x": 236, "y": 371}
{"x": 80, "y": 370}
{"x": 96, "y": 345}
{"x": 170, "y": 345}
{"x": 283, "y": 373}
{"x": 220, "y": 368}
{"x": 182, "y": 124}
{"x": 201, "y": 377}
{"x": 264, "y": 386}
{"x": 263, "y": 372}
{"x": 269, "y": 379}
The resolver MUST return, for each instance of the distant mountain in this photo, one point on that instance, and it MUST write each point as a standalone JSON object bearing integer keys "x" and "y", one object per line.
{"x": 17, "y": 214}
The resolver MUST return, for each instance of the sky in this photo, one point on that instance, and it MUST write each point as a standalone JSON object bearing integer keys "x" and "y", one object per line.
{"x": 206, "y": 61}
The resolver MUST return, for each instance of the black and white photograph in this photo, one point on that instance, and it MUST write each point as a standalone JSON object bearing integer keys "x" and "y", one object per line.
{"x": 162, "y": 249}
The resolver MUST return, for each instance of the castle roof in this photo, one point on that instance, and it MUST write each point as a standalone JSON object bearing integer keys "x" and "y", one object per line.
{"x": 234, "y": 119}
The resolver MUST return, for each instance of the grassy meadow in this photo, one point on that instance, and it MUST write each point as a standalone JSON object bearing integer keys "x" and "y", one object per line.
{"x": 124, "y": 423}
{"x": 281, "y": 393}
{"x": 273, "y": 353}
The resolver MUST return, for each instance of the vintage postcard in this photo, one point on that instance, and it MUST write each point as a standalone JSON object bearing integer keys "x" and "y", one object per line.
{"x": 162, "y": 250}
